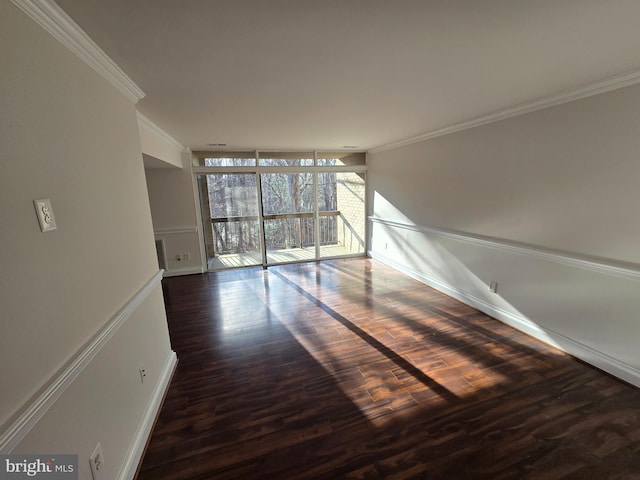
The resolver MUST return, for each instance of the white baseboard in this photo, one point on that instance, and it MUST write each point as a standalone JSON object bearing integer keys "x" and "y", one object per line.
{"x": 576, "y": 349}
{"x": 174, "y": 272}
{"x": 139, "y": 442}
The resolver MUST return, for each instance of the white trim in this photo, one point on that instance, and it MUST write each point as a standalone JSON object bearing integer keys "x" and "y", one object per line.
{"x": 57, "y": 23}
{"x": 57, "y": 386}
{"x": 261, "y": 169}
{"x": 144, "y": 122}
{"x": 162, "y": 261}
{"x": 139, "y": 442}
{"x": 195, "y": 188}
{"x": 615, "y": 82}
{"x": 590, "y": 355}
{"x": 175, "y": 272}
{"x": 176, "y": 230}
{"x": 629, "y": 271}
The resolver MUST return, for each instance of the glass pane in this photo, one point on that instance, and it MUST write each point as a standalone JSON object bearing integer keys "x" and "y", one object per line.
{"x": 340, "y": 159}
{"x": 289, "y": 239}
{"x": 341, "y": 197}
{"x": 287, "y": 205}
{"x": 230, "y": 211}
{"x": 227, "y": 159}
{"x": 287, "y": 193}
{"x": 286, "y": 159}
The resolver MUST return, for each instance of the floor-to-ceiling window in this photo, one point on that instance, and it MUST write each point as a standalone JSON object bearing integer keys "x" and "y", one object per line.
{"x": 267, "y": 208}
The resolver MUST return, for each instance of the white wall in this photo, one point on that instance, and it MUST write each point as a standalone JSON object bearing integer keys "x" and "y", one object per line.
{"x": 69, "y": 135}
{"x": 163, "y": 149}
{"x": 173, "y": 209}
{"x": 545, "y": 204}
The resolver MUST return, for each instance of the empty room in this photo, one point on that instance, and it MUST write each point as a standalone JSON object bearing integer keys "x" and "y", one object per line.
{"x": 296, "y": 239}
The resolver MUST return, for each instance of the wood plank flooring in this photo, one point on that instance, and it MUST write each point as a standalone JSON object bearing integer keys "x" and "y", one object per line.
{"x": 349, "y": 369}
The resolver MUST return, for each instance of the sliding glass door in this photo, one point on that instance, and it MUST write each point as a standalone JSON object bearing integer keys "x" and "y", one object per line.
{"x": 231, "y": 221}
{"x": 288, "y": 216}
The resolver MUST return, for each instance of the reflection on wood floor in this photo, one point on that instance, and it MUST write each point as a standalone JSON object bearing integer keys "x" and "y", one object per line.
{"x": 348, "y": 369}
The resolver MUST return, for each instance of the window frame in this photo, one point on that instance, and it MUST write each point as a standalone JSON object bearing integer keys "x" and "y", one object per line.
{"x": 198, "y": 169}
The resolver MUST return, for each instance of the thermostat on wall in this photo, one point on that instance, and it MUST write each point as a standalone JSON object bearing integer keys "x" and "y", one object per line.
{"x": 45, "y": 214}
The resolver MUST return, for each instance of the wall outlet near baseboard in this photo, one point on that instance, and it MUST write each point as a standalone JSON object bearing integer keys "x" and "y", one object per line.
{"x": 96, "y": 461}
{"x": 143, "y": 374}
{"x": 493, "y": 287}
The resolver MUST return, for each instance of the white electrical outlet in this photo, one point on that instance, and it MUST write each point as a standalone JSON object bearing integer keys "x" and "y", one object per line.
{"x": 96, "y": 461}
{"x": 45, "y": 214}
{"x": 143, "y": 374}
{"x": 179, "y": 257}
{"x": 493, "y": 287}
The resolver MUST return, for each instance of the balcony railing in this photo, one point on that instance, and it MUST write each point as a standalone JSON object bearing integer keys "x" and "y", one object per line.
{"x": 240, "y": 234}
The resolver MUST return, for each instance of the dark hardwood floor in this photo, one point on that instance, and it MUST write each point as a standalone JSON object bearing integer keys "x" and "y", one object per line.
{"x": 349, "y": 369}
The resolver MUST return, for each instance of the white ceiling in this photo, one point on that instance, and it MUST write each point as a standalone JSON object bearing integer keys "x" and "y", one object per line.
{"x": 328, "y": 73}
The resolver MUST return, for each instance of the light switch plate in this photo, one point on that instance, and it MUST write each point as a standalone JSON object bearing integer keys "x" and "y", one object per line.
{"x": 45, "y": 214}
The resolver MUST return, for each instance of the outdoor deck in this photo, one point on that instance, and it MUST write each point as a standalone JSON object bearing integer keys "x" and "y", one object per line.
{"x": 235, "y": 260}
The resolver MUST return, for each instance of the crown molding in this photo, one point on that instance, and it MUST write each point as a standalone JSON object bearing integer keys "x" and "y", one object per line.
{"x": 615, "y": 82}
{"x": 144, "y": 122}
{"x": 57, "y": 23}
